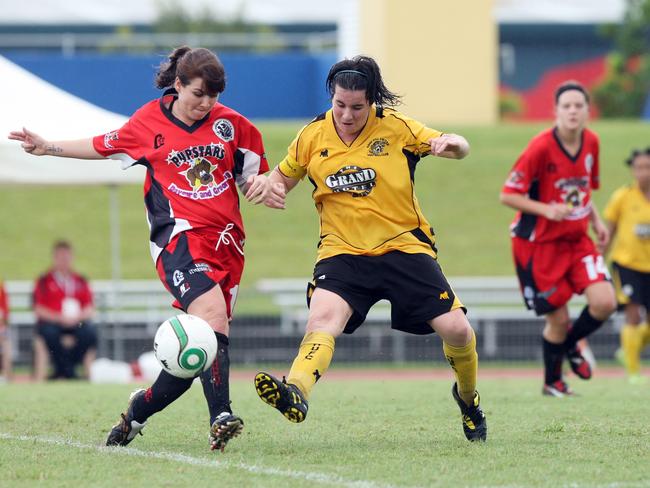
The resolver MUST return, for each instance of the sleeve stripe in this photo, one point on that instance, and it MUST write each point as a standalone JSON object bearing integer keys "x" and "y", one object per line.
{"x": 252, "y": 162}
{"x": 127, "y": 161}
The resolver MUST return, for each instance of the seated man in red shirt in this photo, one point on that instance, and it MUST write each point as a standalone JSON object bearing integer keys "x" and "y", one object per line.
{"x": 63, "y": 304}
{"x": 5, "y": 343}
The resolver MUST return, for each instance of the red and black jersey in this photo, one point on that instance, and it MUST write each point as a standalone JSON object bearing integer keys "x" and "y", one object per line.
{"x": 4, "y": 304}
{"x": 546, "y": 172}
{"x": 52, "y": 288}
{"x": 192, "y": 171}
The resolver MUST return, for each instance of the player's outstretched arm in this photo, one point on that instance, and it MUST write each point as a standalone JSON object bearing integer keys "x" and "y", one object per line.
{"x": 553, "y": 211}
{"x": 450, "y": 146}
{"x": 34, "y": 144}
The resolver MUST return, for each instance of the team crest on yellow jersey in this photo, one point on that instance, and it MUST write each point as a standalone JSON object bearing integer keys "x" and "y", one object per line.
{"x": 352, "y": 179}
{"x": 377, "y": 146}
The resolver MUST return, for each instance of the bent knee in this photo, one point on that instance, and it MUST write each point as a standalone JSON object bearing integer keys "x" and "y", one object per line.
{"x": 603, "y": 308}
{"x": 453, "y": 328}
{"x": 460, "y": 334}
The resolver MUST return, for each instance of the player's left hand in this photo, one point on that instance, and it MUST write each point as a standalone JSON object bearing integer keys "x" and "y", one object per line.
{"x": 259, "y": 187}
{"x": 450, "y": 145}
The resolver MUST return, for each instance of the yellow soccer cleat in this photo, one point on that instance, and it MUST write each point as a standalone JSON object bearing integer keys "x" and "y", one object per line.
{"x": 286, "y": 398}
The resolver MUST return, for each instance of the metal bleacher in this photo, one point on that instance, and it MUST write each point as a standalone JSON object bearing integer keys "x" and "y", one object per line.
{"x": 505, "y": 329}
{"x": 129, "y": 311}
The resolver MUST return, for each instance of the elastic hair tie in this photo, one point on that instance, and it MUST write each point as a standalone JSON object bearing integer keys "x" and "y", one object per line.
{"x": 351, "y": 71}
{"x": 571, "y": 86}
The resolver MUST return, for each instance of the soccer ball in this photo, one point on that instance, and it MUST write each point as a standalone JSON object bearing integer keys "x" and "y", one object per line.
{"x": 185, "y": 346}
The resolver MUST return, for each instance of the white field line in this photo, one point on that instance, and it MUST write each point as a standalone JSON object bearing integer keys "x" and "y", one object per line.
{"x": 201, "y": 462}
{"x": 323, "y": 478}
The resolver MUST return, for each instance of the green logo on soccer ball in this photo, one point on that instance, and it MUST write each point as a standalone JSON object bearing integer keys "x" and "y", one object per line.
{"x": 193, "y": 358}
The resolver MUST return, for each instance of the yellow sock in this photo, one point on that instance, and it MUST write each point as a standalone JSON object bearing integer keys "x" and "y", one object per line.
{"x": 645, "y": 334}
{"x": 313, "y": 359}
{"x": 632, "y": 343}
{"x": 464, "y": 362}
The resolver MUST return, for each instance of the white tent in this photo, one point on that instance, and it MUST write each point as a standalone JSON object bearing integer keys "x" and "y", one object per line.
{"x": 55, "y": 114}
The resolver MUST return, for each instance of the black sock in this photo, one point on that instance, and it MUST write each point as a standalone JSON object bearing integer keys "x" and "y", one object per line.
{"x": 553, "y": 357}
{"x": 216, "y": 387}
{"x": 164, "y": 391}
{"x": 582, "y": 327}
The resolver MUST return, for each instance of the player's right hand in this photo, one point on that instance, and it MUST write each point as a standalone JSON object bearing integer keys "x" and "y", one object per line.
{"x": 32, "y": 143}
{"x": 557, "y": 211}
{"x": 277, "y": 196}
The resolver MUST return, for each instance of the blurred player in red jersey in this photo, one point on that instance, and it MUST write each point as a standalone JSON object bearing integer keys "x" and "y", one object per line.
{"x": 550, "y": 186}
{"x": 5, "y": 342}
{"x": 63, "y": 305}
{"x": 197, "y": 152}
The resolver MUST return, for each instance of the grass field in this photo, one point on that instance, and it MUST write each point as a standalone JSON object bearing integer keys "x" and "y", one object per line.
{"x": 460, "y": 199}
{"x": 368, "y": 433}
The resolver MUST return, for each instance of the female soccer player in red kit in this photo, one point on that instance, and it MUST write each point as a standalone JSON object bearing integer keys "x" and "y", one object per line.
{"x": 196, "y": 152}
{"x": 550, "y": 185}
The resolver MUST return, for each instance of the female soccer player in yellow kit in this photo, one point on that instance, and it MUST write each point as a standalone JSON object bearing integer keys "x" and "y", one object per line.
{"x": 628, "y": 218}
{"x": 375, "y": 243}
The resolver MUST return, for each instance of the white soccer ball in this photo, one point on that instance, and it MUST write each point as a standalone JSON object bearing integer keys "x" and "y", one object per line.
{"x": 185, "y": 346}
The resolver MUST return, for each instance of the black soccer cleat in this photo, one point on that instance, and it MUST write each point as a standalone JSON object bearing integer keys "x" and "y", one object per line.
{"x": 579, "y": 364}
{"x": 225, "y": 427}
{"x": 126, "y": 429}
{"x": 474, "y": 423}
{"x": 287, "y": 398}
{"x": 557, "y": 389}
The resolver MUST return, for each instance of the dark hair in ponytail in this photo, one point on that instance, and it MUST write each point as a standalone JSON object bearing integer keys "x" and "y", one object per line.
{"x": 361, "y": 73}
{"x": 187, "y": 63}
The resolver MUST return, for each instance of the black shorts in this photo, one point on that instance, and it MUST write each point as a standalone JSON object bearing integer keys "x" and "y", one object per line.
{"x": 631, "y": 286}
{"x": 413, "y": 284}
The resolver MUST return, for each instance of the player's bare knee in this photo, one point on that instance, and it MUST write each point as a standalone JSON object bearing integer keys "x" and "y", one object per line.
{"x": 453, "y": 328}
{"x": 325, "y": 322}
{"x": 603, "y": 308}
{"x": 460, "y": 333}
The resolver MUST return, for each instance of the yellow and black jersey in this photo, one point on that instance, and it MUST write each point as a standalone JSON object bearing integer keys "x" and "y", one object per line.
{"x": 364, "y": 192}
{"x": 629, "y": 209}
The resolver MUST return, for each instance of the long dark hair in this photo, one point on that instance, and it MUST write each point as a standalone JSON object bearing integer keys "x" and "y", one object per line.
{"x": 187, "y": 63}
{"x": 361, "y": 73}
